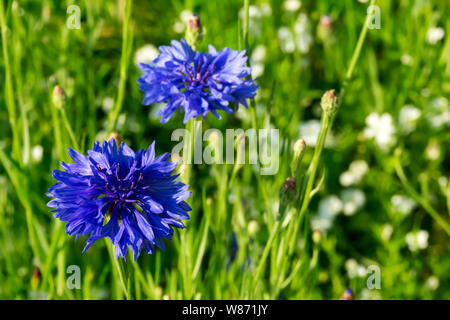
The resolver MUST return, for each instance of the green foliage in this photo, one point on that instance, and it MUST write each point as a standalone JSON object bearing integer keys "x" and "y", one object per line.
{"x": 237, "y": 243}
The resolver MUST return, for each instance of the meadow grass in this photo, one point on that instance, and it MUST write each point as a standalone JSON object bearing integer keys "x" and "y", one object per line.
{"x": 245, "y": 239}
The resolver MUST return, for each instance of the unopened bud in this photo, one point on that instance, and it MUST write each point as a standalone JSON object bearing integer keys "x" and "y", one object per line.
{"x": 299, "y": 148}
{"x": 324, "y": 28}
{"x": 58, "y": 97}
{"x": 253, "y": 227}
{"x": 36, "y": 277}
{"x": 347, "y": 295}
{"x": 287, "y": 193}
{"x": 194, "y": 31}
{"x": 329, "y": 102}
{"x": 316, "y": 236}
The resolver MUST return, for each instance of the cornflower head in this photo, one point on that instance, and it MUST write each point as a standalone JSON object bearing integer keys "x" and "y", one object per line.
{"x": 131, "y": 198}
{"x": 196, "y": 83}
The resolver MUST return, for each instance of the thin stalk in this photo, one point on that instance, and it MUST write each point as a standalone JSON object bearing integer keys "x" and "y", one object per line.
{"x": 119, "y": 266}
{"x": 417, "y": 197}
{"x": 127, "y": 39}
{"x": 9, "y": 93}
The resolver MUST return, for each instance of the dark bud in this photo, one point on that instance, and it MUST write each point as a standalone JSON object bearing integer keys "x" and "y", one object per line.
{"x": 347, "y": 295}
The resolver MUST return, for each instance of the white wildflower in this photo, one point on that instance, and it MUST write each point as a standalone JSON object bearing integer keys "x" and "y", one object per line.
{"x": 417, "y": 240}
{"x": 330, "y": 206}
{"x": 435, "y": 34}
{"x": 146, "y": 54}
{"x": 408, "y": 118}
{"x": 386, "y": 231}
{"x": 432, "y": 283}
{"x": 303, "y": 36}
{"x": 354, "y": 174}
{"x": 433, "y": 150}
{"x": 292, "y": 5}
{"x": 352, "y": 200}
{"x": 107, "y": 104}
{"x": 259, "y": 54}
{"x": 406, "y": 59}
{"x": 286, "y": 40}
{"x": 381, "y": 129}
{"x": 402, "y": 204}
{"x": 37, "y": 153}
{"x": 309, "y": 131}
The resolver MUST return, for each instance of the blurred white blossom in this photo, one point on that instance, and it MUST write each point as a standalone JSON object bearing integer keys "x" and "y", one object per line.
{"x": 303, "y": 36}
{"x": 381, "y": 129}
{"x": 435, "y": 34}
{"x": 433, "y": 150}
{"x": 352, "y": 200}
{"x": 439, "y": 113}
{"x": 292, "y": 5}
{"x": 146, "y": 54}
{"x": 402, "y": 204}
{"x": 309, "y": 131}
{"x": 286, "y": 40}
{"x": 417, "y": 240}
{"x": 354, "y": 174}
{"x": 432, "y": 283}
{"x": 354, "y": 269}
{"x": 36, "y": 153}
{"x": 257, "y": 60}
{"x": 329, "y": 207}
{"x": 180, "y": 25}
{"x": 406, "y": 59}
{"x": 386, "y": 231}
{"x": 408, "y": 117}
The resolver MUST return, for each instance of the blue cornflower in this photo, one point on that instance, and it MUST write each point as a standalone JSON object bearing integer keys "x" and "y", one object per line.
{"x": 132, "y": 198}
{"x": 196, "y": 82}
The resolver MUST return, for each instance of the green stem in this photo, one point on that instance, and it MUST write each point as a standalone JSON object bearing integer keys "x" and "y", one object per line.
{"x": 355, "y": 56}
{"x": 9, "y": 93}
{"x": 120, "y": 268}
{"x": 127, "y": 39}
{"x": 417, "y": 197}
{"x": 266, "y": 251}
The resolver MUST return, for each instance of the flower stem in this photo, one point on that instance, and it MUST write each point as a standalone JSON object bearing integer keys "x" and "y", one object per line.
{"x": 420, "y": 199}
{"x": 120, "y": 268}
{"x": 127, "y": 40}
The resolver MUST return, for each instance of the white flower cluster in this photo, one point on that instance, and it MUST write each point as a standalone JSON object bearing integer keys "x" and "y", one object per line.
{"x": 435, "y": 34}
{"x": 417, "y": 240}
{"x": 356, "y": 171}
{"x": 300, "y": 39}
{"x": 349, "y": 203}
{"x": 256, "y": 14}
{"x": 181, "y": 23}
{"x": 355, "y": 269}
{"x": 257, "y": 60}
{"x": 381, "y": 129}
{"x": 402, "y": 204}
{"x": 438, "y": 115}
{"x": 146, "y": 54}
{"x": 408, "y": 117}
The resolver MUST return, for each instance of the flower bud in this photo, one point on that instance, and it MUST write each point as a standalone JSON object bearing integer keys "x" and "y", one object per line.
{"x": 253, "y": 227}
{"x": 324, "y": 29}
{"x": 347, "y": 295}
{"x": 36, "y": 277}
{"x": 329, "y": 102}
{"x": 299, "y": 148}
{"x": 58, "y": 97}
{"x": 194, "y": 31}
{"x": 287, "y": 193}
{"x": 316, "y": 236}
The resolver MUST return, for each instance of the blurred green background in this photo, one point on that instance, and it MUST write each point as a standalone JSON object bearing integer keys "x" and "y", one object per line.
{"x": 395, "y": 114}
